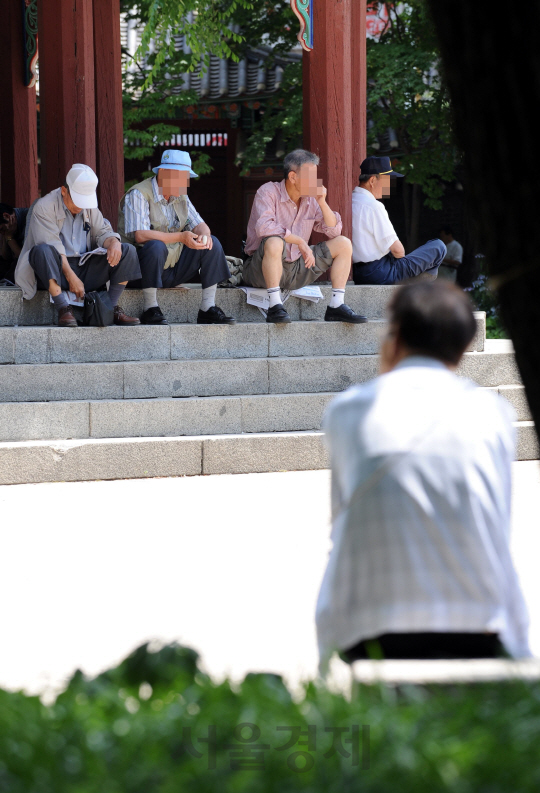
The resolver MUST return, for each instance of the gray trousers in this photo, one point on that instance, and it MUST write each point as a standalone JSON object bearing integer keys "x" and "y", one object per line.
{"x": 94, "y": 273}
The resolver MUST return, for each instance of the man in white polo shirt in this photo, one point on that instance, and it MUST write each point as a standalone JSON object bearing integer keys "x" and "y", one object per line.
{"x": 378, "y": 255}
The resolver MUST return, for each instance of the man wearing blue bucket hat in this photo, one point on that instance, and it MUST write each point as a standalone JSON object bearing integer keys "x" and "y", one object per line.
{"x": 173, "y": 242}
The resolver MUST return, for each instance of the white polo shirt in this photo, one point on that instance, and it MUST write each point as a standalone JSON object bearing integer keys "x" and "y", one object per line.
{"x": 373, "y": 232}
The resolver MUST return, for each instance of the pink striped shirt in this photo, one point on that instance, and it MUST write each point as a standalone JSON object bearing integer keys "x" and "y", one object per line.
{"x": 274, "y": 213}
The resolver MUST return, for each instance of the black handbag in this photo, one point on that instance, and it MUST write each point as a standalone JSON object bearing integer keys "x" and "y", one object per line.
{"x": 98, "y": 310}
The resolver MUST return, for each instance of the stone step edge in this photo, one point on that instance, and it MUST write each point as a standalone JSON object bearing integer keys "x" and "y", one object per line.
{"x": 183, "y": 341}
{"x": 469, "y": 355}
{"x": 223, "y": 377}
{"x": 135, "y": 458}
{"x": 181, "y": 416}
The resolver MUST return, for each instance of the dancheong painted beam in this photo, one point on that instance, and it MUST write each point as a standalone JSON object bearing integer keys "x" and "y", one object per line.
{"x": 304, "y": 11}
{"x": 30, "y": 30}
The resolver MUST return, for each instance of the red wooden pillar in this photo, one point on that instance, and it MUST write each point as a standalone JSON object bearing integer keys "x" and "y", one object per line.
{"x": 18, "y": 119}
{"x": 109, "y": 122}
{"x": 66, "y": 84}
{"x": 334, "y": 78}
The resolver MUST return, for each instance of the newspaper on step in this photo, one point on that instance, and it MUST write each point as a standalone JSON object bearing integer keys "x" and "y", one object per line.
{"x": 260, "y": 299}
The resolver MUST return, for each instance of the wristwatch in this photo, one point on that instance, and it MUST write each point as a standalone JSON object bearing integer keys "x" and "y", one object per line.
{"x": 8, "y": 239}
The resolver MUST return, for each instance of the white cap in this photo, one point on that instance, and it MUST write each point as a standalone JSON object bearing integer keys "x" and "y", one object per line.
{"x": 82, "y": 183}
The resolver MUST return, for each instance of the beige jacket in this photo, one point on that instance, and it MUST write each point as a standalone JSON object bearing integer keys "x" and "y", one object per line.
{"x": 158, "y": 219}
{"x": 43, "y": 226}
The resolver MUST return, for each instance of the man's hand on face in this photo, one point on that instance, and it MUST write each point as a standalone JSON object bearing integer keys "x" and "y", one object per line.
{"x": 307, "y": 255}
{"x": 9, "y": 227}
{"x": 114, "y": 252}
{"x": 321, "y": 193}
{"x": 75, "y": 285}
{"x": 194, "y": 241}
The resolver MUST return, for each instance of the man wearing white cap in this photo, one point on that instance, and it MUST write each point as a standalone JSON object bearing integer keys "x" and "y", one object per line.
{"x": 62, "y": 226}
{"x": 173, "y": 242}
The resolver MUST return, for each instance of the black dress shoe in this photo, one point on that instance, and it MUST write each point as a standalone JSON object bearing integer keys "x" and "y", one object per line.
{"x": 343, "y": 313}
{"x": 214, "y": 316}
{"x": 153, "y": 316}
{"x": 277, "y": 314}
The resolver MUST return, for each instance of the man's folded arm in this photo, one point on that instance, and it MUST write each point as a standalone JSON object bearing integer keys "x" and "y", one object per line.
{"x": 397, "y": 250}
{"x": 137, "y": 222}
{"x": 164, "y": 236}
{"x": 452, "y": 262}
{"x": 323, "y": 228}
{"x": 385, "y": 234}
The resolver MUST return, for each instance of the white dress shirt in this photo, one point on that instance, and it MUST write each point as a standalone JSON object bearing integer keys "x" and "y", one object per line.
{"x": 421, "y": 494}
{"x": 373, "y": 233}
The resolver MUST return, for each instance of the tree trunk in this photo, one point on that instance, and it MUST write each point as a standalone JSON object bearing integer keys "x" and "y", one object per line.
{"x": 407, "y": 210}
{"x": 412, "y": 201}
{"x": 492, "y": 66}
{"x": 414, "y": 228}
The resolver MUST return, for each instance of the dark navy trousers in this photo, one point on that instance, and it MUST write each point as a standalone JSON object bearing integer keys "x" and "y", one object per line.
{"x": 210, "y": 264}
{"x": 388, "y": 270}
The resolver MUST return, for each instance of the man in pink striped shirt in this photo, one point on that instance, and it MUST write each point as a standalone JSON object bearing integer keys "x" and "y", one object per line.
{"x": 282, "y": 218}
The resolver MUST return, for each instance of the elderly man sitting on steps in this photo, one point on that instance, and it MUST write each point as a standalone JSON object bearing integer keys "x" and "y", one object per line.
{"x": 174, "y": 244}
{"x": 378, "y": 255}
{"x": 282, "y": 218}
{"x": 62, "y": 226}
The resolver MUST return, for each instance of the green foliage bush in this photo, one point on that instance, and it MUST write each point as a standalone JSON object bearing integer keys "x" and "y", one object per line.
{"x": 126, "y": 732}
{"x": 406, "y": 93}
{"x": 485, "y": 299}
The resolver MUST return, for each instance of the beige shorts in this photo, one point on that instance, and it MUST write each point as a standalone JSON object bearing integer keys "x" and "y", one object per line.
{"x": 295, "y": 274}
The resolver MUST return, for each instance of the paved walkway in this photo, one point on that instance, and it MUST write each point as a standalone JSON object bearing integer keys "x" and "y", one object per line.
{"x": 229, "y": 565}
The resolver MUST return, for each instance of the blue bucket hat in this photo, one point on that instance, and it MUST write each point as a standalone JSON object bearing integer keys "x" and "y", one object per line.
{"x": 175, "y": 160}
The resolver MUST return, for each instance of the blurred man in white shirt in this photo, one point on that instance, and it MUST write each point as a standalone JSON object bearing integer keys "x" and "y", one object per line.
{"x": 421, "y": 492}
{"x": 378, "y": 255}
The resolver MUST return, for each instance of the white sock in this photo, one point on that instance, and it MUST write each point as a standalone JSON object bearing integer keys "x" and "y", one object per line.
{"x": 208, "y": 297}
{"x": 150, "y": 297}
{"x": 337, "y": 299}
{"x": 274, "y": 295}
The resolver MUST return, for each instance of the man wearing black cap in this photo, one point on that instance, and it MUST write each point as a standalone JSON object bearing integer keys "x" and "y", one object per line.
{"x": 378, "y": 255}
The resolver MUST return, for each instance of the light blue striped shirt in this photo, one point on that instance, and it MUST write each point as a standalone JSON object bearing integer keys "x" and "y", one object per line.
{"x": 137, "y": 212}
{"x": 73, "y": 235}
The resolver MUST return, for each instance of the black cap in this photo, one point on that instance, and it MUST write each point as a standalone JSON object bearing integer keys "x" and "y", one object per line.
{"x": 380, "y": 166}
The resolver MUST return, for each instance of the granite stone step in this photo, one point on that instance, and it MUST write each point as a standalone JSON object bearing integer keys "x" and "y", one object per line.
{"x": 38, "y": 345}
{"x": 218, "y": 377}
{"x": 134, "y": 458}
{"x": 133, "y": 418}
{"x": 180, "y": 305}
